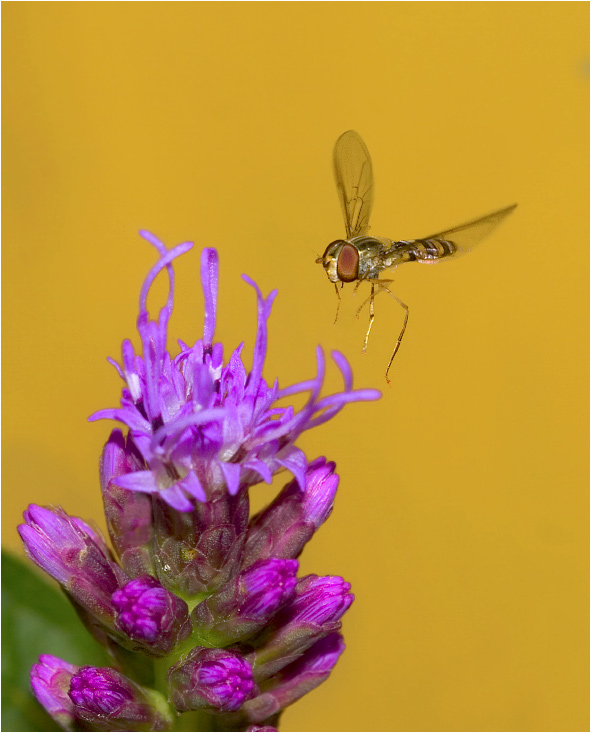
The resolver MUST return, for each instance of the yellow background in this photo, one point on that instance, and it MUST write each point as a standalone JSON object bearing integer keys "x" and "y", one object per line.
{"x": 463, "y": 507}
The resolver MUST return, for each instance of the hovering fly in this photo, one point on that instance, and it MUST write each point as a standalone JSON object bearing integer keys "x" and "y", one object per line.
{"x": 360, "y": 257}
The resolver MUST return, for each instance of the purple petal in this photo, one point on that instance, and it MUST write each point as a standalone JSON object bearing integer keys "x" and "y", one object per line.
{"x": 231, "y": 473}
{"x": 209, "y": 281}
{"x": 295, "y": 461}
{"x": 144, "y": 481}
{"x": 192, "y": 485}
{"x": 260, "y": 348}
{"x": 345, "y": 368}
{"x": 175, "y": 497}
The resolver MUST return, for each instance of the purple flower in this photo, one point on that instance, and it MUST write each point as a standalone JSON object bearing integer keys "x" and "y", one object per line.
{"x": 100, "y": 691}
{"x": 50, "y": 680}
{"x": 288, "y": 523}
{"x": 107, "y": 700}
{"x": 74, "y": 554}
{"x": 297, "y": 679}
{"x": 313, "y": 613}
{"x": 128, "y": 513}
{"x": 267, "y": 585}
{"x": 319, "y": 600}
{"x": 150, "y": 614}
{"x": 200, "y": 424}
{"x": 246, "y": 603}
{"x": 216, "y": 679}
{"x": 191, "y": 575}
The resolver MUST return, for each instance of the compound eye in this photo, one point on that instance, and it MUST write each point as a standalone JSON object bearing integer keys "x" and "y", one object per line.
{"x": 348, "y": 264}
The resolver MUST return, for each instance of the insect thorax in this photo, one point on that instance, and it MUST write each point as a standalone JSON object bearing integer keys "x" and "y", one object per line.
{"x": 375, "y": 255}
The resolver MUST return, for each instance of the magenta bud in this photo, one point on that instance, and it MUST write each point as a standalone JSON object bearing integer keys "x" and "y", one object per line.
{"x": 218, "y": 680}
{"x": 243, "y": 606}
{"x": 288, "y": 523}
{"x": 50, "y": 680}
{"x": 107, "y": 700}
{"x": 70, "y": 551}
{"x": 313, "y": 613}
{"x": 297, "y": 679}
{"x": 319, "y": 600}
{"x": 128, "y": 513}
{"x": 267, "y": 585}
{"x": 320, "y": 490}
{"x": 149, "y": 614}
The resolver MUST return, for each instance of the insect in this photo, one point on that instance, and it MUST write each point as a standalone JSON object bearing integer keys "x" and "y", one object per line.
{"x": 361, "y": 257}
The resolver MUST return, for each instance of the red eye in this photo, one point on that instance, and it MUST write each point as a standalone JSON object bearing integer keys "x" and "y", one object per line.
{"x": 348, "y": 264}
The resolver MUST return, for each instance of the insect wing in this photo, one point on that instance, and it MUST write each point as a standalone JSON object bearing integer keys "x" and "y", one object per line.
{"x": 468, "y": 235}
{"x": 354, "y": 179}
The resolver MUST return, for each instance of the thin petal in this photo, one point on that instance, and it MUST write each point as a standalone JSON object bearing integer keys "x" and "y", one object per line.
{"x": 231, "y": 473}
{"x": 144, "y": 481}
{"x": 295, "y": 461}
{"x": 209, "y": 281}
{"x": 175, "y": 497}
{"x": 191, "y": 484}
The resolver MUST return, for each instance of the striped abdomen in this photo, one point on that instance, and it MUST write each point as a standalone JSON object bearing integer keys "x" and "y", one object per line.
{"x": 426, "y": 251}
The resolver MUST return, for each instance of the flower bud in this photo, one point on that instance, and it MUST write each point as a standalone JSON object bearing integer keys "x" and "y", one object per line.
{"x": 107, "y": 700}
{"x": 244, "y": 605}
{"x": 198, "y": 551}
{"x": 149, "y": 614}
{"x": 314, "y": 612}
{"x": 67, "y": 549}
{"x": 128, "y": 513}
{"x": 50, "y": 680}
{"x": 288, "y": 523}
{"x": 218, "y": 680}
{"x": 297, "y": 679}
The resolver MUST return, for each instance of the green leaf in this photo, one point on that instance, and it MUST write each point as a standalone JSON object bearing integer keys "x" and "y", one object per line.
{"x": 37, "y": 619}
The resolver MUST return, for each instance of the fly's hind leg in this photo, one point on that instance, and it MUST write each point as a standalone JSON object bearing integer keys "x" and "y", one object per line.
{"x": 383, "y": 287}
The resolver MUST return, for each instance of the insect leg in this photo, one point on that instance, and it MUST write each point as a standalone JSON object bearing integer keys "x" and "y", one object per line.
{"x": 399, "y": 340}
{"x": 336, "y": 287}
{"x": 369, "y": 297}
{"x": 371, "y": 317}
{"x": 358, "y": 311}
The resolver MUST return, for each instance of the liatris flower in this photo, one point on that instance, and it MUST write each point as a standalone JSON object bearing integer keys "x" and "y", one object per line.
{"x": 199, "y": 606}
{"x": 245, "y": 604}
{"x": 96, "y": 698}
{"x": 219, "y": 680}
{"x": 50, "y": 680}
{"x": 297, "y": 679}
{"x": 148, "y": 613}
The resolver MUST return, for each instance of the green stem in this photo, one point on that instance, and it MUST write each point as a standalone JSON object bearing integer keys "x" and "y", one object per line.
{"x": 195, "y": 720}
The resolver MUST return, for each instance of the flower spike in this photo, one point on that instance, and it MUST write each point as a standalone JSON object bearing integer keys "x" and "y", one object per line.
{"x": 198, "y": 604}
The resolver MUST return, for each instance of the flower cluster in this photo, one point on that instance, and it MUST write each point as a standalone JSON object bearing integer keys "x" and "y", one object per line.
{"x": 198, "y": 604}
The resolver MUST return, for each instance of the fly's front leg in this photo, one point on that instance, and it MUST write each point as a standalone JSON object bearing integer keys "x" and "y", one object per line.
{"x": 401, "y": 334}
{"x": 371, "y": 317}
{"x": 336, "y": 287}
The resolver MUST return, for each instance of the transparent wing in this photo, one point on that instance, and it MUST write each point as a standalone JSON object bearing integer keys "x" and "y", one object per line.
{"x": 468, "y": 235}
{"x": 354, "y": 178}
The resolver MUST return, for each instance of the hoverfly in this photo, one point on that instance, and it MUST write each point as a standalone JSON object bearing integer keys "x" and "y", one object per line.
{"x": 360, "y": 257}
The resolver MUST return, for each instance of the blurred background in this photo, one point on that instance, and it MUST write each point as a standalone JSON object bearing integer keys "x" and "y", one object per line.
{"x": 462, "y": 513}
